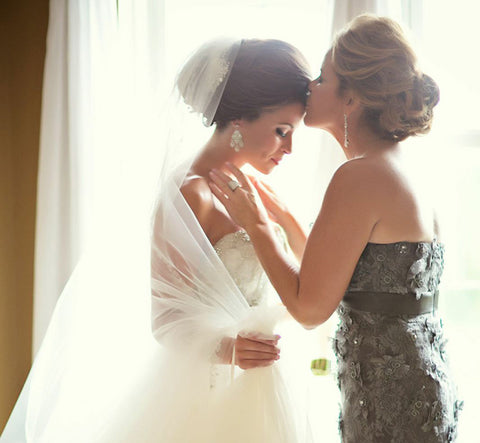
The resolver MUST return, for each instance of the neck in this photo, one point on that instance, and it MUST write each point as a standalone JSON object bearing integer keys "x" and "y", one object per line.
{"x": 216, "y": 152}
{"x": 362, "y": 141}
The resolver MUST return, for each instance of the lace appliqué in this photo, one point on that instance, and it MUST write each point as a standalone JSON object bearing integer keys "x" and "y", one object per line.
{"x": 393, "y": 370}
{"x": 238, "y": 255}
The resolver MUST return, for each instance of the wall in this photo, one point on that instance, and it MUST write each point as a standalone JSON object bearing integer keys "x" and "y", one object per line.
{"x": 23, "y": 28}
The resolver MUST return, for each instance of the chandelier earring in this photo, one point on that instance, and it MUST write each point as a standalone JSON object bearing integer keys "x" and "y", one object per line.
{"x": 346, "y": 141}
{"x": 237, "y": 139}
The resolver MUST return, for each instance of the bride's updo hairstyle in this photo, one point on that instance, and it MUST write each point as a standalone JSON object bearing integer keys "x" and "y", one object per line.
{"x": 266, "y": 74}
{"x": 225, "y": 80}
{"x": 372, "y": 57}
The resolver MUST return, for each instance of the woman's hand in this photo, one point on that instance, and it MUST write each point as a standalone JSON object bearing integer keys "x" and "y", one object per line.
{"x": 280, "y": 214}
{"x": 276, "y": 209}
{"x": 243, "y": 202}
{"x": 253, "y": 351}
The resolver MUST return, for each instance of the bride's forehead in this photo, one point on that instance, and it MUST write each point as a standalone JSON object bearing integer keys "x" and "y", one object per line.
{"x": 290, "y": 111}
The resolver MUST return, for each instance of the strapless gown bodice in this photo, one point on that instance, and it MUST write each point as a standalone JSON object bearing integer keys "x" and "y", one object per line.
{"x": 238, "y": 255}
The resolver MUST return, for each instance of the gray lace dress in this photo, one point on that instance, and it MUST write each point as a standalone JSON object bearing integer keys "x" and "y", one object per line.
{"x": 393, "y": 373}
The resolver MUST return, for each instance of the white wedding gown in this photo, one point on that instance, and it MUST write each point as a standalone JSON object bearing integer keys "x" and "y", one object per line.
{"x": 178, "y": 395}
{"x": 255, "y": 406}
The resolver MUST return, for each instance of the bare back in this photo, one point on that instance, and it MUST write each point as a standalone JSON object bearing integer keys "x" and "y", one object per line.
{"x": 405, "y": 211}
{"x": 374, "y": 199}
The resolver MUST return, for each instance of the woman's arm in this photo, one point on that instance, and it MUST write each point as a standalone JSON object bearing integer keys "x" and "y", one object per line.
{"x": 312, "y": 292}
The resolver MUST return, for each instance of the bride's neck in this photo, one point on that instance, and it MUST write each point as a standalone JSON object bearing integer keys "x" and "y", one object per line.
{"x": 215, "y": 154}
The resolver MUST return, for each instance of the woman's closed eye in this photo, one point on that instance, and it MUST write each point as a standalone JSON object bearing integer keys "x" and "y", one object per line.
{"x": 281, "y": 132}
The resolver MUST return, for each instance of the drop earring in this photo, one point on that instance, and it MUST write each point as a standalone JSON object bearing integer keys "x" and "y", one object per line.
{"x": 237, "y": 140}
{"x": 346, "y": 141}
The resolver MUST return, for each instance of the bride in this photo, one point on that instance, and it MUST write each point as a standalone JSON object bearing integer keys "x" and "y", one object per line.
{"x": 211, "y": 373}
{"x": 209, "y": 291}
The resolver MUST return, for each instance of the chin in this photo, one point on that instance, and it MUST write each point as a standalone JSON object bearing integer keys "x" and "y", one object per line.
{"x": 265, "y": 171}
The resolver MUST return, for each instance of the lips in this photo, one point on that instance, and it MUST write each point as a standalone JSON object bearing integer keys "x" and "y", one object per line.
{"x": 276, "y": 161}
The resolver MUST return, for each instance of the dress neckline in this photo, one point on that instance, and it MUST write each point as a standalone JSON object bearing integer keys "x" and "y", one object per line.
{"x": 239, "y": 232}
{"x": 433, "y": 243}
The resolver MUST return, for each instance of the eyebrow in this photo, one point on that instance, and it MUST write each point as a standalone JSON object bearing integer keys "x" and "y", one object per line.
{"x": 286, "y": 124}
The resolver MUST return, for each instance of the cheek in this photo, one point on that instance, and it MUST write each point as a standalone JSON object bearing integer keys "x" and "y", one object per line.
{"x": 264, "y": 144}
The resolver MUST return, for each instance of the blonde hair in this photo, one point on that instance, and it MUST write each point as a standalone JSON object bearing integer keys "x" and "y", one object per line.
{"x": 373, "y": 58}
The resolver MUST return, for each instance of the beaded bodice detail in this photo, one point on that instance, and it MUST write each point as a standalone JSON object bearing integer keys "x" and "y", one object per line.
{"x": 238, "y": 255}
{"x": 401, "y": 268}
{"x": 393, "y": 370}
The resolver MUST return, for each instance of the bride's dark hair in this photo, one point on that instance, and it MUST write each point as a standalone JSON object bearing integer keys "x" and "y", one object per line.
{"x": 266, "y": 74}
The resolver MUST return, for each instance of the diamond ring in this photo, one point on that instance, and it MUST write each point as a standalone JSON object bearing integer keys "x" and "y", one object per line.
{"x": 233, "y": 184}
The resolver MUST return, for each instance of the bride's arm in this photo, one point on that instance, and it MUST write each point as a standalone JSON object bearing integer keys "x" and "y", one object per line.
{"x": 312, "y": 291}
{"x": 170, "y": 270}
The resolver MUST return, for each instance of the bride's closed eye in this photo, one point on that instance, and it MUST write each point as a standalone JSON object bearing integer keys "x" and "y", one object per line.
{"x": 281, "y": 132}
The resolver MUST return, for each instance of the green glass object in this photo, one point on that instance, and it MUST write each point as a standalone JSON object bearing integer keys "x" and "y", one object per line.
{"x": 321, "y": 366}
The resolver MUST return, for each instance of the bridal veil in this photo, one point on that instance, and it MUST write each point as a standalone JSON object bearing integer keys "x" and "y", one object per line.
{"x": 129, "y": 352}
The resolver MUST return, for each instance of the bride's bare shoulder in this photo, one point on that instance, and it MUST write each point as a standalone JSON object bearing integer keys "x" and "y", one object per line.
{"x": 196, "y": 191}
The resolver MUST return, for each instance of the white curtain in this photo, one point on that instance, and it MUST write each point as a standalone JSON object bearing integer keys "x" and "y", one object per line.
{"x": 103, "y": 72}
{"x": 66, "y": 144}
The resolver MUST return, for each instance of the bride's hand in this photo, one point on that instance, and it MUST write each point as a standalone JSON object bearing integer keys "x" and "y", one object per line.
{"x": 253, "y": 351}
{"x": 242, "y": 202}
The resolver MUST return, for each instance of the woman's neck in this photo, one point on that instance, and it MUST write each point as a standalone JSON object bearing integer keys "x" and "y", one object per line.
{"x": 215, "y": 153}
{"x": 362, "y": 142}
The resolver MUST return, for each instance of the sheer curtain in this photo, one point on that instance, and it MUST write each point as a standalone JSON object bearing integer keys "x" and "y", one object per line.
{"x": 103, "y": 72}
{"x": 66, "y": 145}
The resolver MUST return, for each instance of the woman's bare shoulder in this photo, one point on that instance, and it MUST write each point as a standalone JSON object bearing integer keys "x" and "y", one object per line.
{"x": 199, "y": 197}
{"x": 361, "y": 175}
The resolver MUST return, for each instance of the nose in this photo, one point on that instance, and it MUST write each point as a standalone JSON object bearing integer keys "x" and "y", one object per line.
{"x": 287, "y": 145}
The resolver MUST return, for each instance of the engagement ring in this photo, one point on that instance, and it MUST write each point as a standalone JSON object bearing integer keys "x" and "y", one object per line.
{"x": 233, "y": 184}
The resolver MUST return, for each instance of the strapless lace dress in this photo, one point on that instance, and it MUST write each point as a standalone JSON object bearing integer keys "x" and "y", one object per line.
{"x": 393, "y": 372}
{"x": 238, "y": 255}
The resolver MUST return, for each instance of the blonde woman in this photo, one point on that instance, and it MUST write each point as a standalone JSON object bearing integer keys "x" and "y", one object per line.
{"x": 374, "y": 254}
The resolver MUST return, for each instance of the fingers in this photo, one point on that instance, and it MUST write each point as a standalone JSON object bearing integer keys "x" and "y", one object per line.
{"x": 245, "y": 345}
{"x": 266, "y": 186}
{"x": 218, "y": 192}
{"x": 251, "y": 364}
{"x": 240, "y": 176}
{"x": 259, "y": 336}
{"x": 259, "y": 352}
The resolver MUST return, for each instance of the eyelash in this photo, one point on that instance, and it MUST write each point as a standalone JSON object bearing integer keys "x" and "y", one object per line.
{"x": 281, "y": 133}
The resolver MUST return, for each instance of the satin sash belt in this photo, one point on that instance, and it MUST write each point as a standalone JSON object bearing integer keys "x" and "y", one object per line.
{"x": 390, "y": 303}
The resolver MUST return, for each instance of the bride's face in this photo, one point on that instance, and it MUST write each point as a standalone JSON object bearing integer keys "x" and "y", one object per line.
{"x": 268, "y": 138}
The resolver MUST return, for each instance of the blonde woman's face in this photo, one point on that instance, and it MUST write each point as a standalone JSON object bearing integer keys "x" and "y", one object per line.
{"x": 324, "y": 106}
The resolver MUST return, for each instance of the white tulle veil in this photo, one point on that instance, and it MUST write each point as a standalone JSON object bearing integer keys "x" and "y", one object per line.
{"x": 130, "y": 350}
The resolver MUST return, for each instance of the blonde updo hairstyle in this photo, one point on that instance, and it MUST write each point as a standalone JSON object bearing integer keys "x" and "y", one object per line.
{"x": 372, "y": 57}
